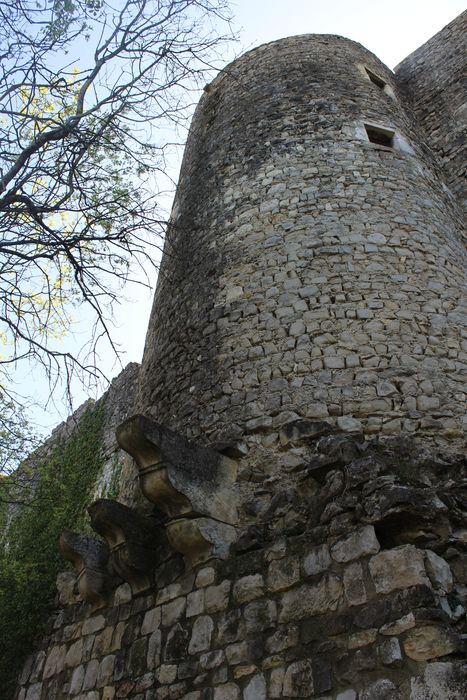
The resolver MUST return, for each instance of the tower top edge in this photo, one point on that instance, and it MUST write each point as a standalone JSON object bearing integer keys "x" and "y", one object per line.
{"x": 291, "y": 42}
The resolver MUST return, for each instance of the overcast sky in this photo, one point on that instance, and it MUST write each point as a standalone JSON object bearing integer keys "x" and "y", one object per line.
{"x": 391, "y": 30}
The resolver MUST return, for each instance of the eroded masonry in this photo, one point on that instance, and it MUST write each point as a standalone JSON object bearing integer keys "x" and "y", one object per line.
{"x": 291, "y": 520}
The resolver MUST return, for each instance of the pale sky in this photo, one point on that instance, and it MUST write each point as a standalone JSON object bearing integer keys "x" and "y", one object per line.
{"x": 391, "y": 30}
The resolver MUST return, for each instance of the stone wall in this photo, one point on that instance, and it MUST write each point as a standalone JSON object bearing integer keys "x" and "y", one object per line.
{"x": 309, "y": 540}
{"x": 432, "y": 77}
{"x": 317, "y": 274}
{"x": 351, "y": 585}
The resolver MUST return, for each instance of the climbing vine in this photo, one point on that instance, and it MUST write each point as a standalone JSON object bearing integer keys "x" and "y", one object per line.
{"x": 29, "y": 557}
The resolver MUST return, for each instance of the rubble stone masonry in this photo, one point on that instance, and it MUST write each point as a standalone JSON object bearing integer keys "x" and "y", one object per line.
{"x": 300, "y": 441}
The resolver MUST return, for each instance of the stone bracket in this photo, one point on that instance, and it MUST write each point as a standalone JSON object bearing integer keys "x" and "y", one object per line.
{"x": 180, "y": 477}
{"x": 90, "y": 557}
{"x": 135, "y": 542}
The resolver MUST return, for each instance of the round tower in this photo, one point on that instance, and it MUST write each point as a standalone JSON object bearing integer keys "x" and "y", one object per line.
{"x": 314, "y": 263}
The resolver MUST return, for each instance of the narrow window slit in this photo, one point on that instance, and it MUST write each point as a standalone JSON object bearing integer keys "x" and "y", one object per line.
{"x": 376, "y": 79}
{"x": 380, "y": 136}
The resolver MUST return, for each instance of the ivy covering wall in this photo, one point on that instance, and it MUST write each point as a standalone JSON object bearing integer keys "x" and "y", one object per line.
{"x": 29, "y": 556}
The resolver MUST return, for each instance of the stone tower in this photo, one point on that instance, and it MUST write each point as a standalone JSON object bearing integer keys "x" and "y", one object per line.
{"x": 299, "y": 428}
{"x": 315, "y": 266}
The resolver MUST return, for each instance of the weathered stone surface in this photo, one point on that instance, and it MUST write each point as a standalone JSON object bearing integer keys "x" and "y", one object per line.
{"x": 309, "y": 600}
{"x": 298, "y": 680}
{"x": 237, "y": 653}
{"x": 248, "y": 588}
{"x": 440, "y": 681}
{"x": 217, "y": 597}
{"x": 228, "y": 691}
{"x": 356, "y": 545}
{"x": 55, "y": 661}
{"x": 317, "y": 560}
{"x": 90, "y": 676}
{"x": 401, "y": 567}
{"x": 438, "y": 571}
{"x": 260, "y": 615}
{"x": 201, "y": 634}
{"x": 354, "y": 586}
{"x": 106, "y": 668}
{"x": 255, "y": 688}
{"x": 382, "y": 689}
{"x": 173, "y": 611}
{"x": 430, "y": 642}
{"x": 390, "y": 652}
{"x": 399, "y": 626}
{"x": 283, "y": 574}
{"x": 151, "y": 621}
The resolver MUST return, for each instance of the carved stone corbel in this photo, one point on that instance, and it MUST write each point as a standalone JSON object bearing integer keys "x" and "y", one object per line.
{"x": 136, "y": 543}
{"x": 193, "y": 485}
{"x": 89, "y": 557}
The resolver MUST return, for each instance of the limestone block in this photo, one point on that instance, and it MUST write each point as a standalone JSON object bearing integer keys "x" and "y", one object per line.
{"x": 399, "y": 626}
{"x": 439, "y": 571}
{"x": 317, "y": 561}
{"x": 255, "y": 688}
{"x": 260, "y": 615}
{"x": 298, "y": 680}
{"x": 354, "y": 585}
{"x": 217, "y": 597}
{"x": 205, "y": 577}
{"x": 429, "y": 642}
{"x": 195, "y": 603}
{"x": 55, "y": 661}
{"x": 227, "y": 691}
{"x": 440, "y": 681}
{"x": 349, "y": 424}
{"x": 357, "y": 544}
{"x": 106, "y": 668}
{"x": 166, "y": 673}
{"x": 349, "y": 694}
{"x": 93, "y": 624}
{"x": 283, "y": 573}
{"x": 382, "y": 689}
{"x": 248, "y": 588}
{"x": 151, "y": 621}
{"x": 276, "y": 682}
{"x": 77, "y": 680}
{"x": 237, "y": 653}
{"x": 154, "y": 650}
{"x": 362, "y": 639}
{"x": 390, "y": 652}
{"x": 73, "y": 655}
{"x": 90, "y": 676}
{"x": 34, "y": 692}
{"x": 283, "y": 638}
{"x": 173, "y": 611}
{"x": 201, "y": 634}
{"x": 398, "y": 568}
{"x": 212, "y": 659}
{"x": 201, "y": 539}
{"x": 309, "y": 600}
